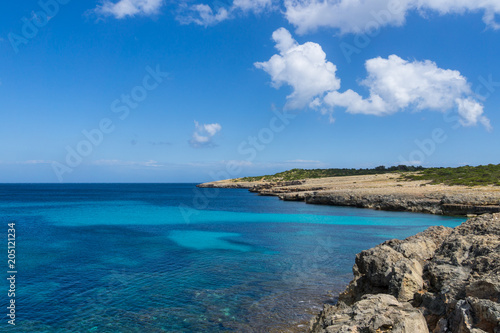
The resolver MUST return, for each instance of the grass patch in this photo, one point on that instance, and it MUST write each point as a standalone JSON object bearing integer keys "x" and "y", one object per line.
{"x": 466, "y": 175}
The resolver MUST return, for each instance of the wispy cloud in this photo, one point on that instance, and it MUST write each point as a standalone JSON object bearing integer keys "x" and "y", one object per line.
{"x": 124, "y": 8}
{"x": 160, "y": 143}
{"x": 303, "y": 161}
{"x": 150, "y": 163}
{"x": 203, "y": 14}
{"x": 203, "y": 135}
{"x": 360, "y": 16}
{"x": 35, "y": 162}
{"x": 28, "y": 162}
{"x": 308, "y": 15}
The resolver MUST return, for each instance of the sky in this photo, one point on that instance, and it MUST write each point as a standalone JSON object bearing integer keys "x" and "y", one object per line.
{"x": 195, "y": 91}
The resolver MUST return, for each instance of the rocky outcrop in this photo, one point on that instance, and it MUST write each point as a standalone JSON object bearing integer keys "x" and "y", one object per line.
{"x": 448, "y": 277}
{"x": 274, "y": 188}
{"x": 383, "y": 192}
{"x": 244, "y": 185}
{"x": 373, "y": 313}
{"x": 436, "y": 203}
{"x": 251, "y": 186}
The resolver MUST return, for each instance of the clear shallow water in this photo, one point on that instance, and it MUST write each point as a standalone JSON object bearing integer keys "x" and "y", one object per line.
{"x": 138, "y": 258}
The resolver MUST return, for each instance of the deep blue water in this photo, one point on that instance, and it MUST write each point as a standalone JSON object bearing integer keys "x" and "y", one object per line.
{"x": 174, "y": 258}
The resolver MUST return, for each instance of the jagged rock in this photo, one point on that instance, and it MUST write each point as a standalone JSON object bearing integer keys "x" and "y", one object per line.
{"x": 451, "y": 275}
{"x": 465, "y": 267}
{"x": 373, "y": 313}
{"x": 394, "y": 267}
{"x": 486, "y": 313}
{"x": 384, "y": 270}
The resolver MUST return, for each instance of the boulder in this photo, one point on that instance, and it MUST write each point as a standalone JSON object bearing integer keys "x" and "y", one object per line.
{"x": 394, "y": 267}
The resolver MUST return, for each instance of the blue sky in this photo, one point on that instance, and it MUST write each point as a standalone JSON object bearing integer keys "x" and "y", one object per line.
{"x": 190, "y": 91}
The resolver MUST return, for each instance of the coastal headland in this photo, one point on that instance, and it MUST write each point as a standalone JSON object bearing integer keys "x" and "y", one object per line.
{"x": 440, "y": 280}
{"x": 389, "y": 191}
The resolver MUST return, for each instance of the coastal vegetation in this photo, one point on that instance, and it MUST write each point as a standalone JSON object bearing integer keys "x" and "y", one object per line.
{"x": 464, "y": 175}
{"x": 299, "y": 174}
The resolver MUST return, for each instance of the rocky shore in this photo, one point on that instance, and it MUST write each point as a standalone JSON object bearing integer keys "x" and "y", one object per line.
{"x": 440, "y": 280}
{"x": 384, "y": 192}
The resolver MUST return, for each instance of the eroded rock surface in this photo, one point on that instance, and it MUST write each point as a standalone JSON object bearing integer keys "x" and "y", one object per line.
{"x": 451, "y": 277}
{"x": 373, "y": 313}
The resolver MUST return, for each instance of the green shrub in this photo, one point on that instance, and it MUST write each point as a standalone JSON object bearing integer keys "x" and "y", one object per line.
{"x": 466, "y": 175}
{"x": 298, "y": 174}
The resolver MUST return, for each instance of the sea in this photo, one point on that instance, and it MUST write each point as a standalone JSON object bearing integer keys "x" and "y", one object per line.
{"x": 177, "y": 258}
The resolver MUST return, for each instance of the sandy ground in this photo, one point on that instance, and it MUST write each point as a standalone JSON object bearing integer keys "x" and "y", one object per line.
{"x": 372, "y": 184}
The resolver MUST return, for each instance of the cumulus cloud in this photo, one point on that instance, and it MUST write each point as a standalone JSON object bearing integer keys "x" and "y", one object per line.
{"x": 203, "y": 135}
{"x": 203, "y": 14}
{"x": 308, "y": 15}
{"x": 124, "y": 8}
{"x": 301, "y": 66}
{"x": 345, "y": 15}
{"x": 394, "y": 84}
{"x": 471, "y": 112}
{"x": 362, "y": 15}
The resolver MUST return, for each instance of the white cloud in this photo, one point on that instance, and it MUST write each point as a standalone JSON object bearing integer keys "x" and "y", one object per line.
{"x": 394, "y": 84}
{"x": 203, "y": 135}
{"x": 203, "y": 14}
{"x": 361, "y": 15}
{"x": 303, "y": 67}
{"x": 308, "y": 15}
{"x": 35, "y": 162}
{"x": 124, "y": 8}
{"x": 354, "y": 103}
{"x": 471, "y": 112}
{"x": 212, "y": 129}
{"x": 345, "y": 15}
{"x": 255, "y": 6}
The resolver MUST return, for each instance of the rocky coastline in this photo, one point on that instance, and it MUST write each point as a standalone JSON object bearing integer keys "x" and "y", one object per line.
{"x": 440, "y": 280}
{"x": 382, "y": 192}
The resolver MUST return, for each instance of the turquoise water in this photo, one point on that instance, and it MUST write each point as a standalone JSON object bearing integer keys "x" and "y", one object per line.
{"x": 174, "y": 258}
